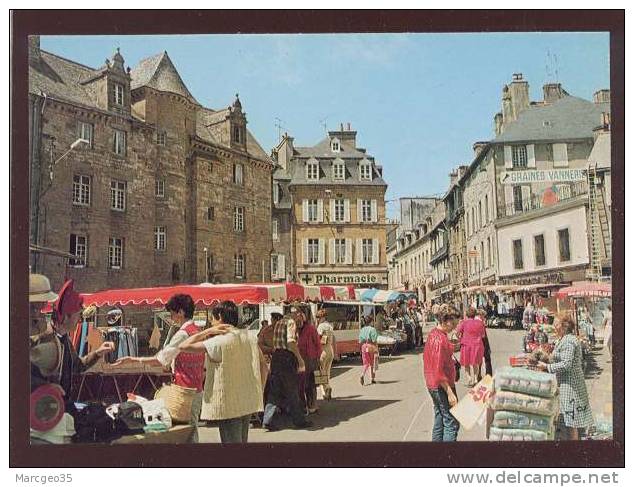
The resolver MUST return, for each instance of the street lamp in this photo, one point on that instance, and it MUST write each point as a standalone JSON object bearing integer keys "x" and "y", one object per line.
{"x": 74, "y": 145}
{"x": 206, "y": 265}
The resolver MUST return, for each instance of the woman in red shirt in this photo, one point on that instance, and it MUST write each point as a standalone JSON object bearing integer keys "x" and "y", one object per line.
{"x": 440, "y": 375}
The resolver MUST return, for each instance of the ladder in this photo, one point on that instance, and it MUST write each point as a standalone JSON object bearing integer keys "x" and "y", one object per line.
{"x": 600, "y": 241}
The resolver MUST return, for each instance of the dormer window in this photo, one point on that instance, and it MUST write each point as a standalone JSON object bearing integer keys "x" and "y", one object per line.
{"x": 312, "y": 170}
{"x": 365, "y": 171}
{"x": 237, "y": 135}
{"x": 118, "y": 94}
{"x": 338, "y": 170}
{"x": 335, "y": 145}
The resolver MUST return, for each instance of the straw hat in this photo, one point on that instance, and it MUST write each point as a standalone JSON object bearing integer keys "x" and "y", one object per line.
{"x": 47, "y": 355}
{"x": 89, "y": 311}
{"x": 40, "y": 289}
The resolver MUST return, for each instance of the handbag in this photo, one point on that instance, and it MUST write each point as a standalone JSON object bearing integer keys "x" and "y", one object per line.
{"x": 178, "y": 401}
{"x": 320, "y": 377}
{"x": 457, "y": 366}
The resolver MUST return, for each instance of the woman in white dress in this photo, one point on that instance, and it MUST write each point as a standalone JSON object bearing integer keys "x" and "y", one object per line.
{"x": 327, "y": 338}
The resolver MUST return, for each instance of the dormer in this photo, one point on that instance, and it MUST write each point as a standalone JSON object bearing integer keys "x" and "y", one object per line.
{"x": 312, "y": 169}
{"x": 110, "y": 85}
{"x": 335, "y": 144}
{"x": 338, "y": 170}
{"x": 237, "y": 125}
{"x": 365, "y": 170}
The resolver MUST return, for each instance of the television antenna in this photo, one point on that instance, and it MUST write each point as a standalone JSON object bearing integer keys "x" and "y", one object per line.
{"x": 278, "y": 125}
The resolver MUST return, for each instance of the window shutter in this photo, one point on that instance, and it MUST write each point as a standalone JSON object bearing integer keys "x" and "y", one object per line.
{"x": 348, "y": 251}
{"x": 359, "y": 211}
{"x": 508, "y": 157}
{"x": 332, "y": 251}
{"x": 509, "y": 208}
{"x": 375, "y": 213}
{"x": 526, "y": 197}
{"x": 560, "y": 155}
{"x": 530, "y": 155}
{"x": 305, "y": 210}
{"x": 305, "y": 251}
{"x": 281, "y": 266}
{"x": 375, "y": 250}
{"x": 346, "y": 211}
{"x": 359, "y": 251}
{"x": 320, "y": 211}
{"x": 322, "y": 251}
{"x": 332, "y": 211}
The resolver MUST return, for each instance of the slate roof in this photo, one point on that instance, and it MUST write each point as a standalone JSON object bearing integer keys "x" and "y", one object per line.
{"x": 602, "y": 152}
{"x": 322, "y": 149}
{"x": 568, "y": 118}
{"x": 61, "y": 78}
{"x": 159, "y": 72}
{"x": 325, "y": 174}
{"x": 207, "y": 116}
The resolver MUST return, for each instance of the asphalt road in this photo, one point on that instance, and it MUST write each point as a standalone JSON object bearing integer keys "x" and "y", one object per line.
{"x": 396, "y": 408}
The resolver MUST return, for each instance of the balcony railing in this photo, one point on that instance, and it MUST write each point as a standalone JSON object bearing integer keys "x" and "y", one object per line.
{"x": 537, "y": 201}
{"x": 438, "y": 284}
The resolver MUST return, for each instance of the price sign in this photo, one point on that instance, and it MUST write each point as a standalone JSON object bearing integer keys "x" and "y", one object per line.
{"x": 474, "y": 403}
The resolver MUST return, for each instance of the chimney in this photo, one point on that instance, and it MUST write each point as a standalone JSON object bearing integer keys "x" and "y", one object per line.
{"x": 477, "y": 148}
{"x": 342, "y": 126}
{"x": 498, "y": 121}
{"x": 602, "y": 96}
{"x": 34, "y": 49}
{"x": 349, "y": 127}
{"x": 552, "y": 92}
{"x": 348, "y": 137}
{"x": 518, "y": 91}
{"x": 453, "y": 177}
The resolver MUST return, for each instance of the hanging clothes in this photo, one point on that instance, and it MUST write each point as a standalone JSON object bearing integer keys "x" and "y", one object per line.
{"x": 155, "y": 338}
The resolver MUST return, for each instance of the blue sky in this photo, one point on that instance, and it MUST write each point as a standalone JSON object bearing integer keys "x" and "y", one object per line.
{"x": 418, "y": 101}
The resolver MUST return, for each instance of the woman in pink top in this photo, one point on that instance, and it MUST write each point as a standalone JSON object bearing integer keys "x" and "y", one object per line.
{"x": 471, "y": 332}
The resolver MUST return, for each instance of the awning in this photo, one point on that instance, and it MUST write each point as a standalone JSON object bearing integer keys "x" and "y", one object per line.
{"x": 585, "y": 289}
{"x": 208, "y": 294}
{"x": 380, "y": 296}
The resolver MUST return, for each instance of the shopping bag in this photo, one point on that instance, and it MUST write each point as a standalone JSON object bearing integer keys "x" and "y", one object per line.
{"x": 473, "y": 404}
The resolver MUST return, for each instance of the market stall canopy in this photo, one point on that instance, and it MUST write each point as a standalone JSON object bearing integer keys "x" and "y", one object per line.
{"x": 585, "y": 289}
{"x": 209, "y": 294}
{"x": 378, "y": 296}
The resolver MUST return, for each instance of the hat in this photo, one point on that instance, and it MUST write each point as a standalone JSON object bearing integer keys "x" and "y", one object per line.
{"x": 46, "y": 353}
{"x": 40, "y": 289}
{"x": 69, "y": 301}
{"x": 89, "y": 311}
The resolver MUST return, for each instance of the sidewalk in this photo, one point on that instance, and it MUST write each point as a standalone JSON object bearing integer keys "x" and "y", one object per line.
{"x": 599, "y": 383}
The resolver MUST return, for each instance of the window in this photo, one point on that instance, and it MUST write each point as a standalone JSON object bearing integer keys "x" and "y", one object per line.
{"x": 276, "y": 235}
{"x": 564, "y": 245}
{"x": 340, "y": 251}
{"x": 79, "y": 248}
{"x": 489, "y": 261}
{"x": 275, "y": 266}
{"x": 276, "y": 193}
{"x": 366, "y": 211}
{"x": 81, "y": 190}
{"x": 117, "y": 195}
{"x": 339, "y": 171}
{"x": 159, "y": 188}
{"x": 340, "y": 211}
{"x": 238, "y": 173}
{"x": 480, "y": 214}
{"x": 210, "y": 267}
{"x": 119, "y": 142}
{"x": 85, "y": 132}
{"x": 115, "y": 253}
{"x": 517, "y": 198}
{"x": 313, "y": 251}
{"x": 368, "y": 251}
{"x": 210, "y": 213}
{"x": 365, "y": 171}
{"x": 237, "y": 134}
{"x": 159, "y": 238}
{"x": 312, "y": 171}
{"x": 518, "y": 258}
{"x": 486, "y": 207}
{"x": 335, "y": 146}
{"x": 161, "y": 137}
{"x": 482, "y": 255}
{"x": 313, "y": 209}
{"x": 519, "y": 156}
{"x": 540, "y": 251}
{"x": 239, "y": 267}
{"x": 473, "y": 219}
{"x": 238, "y": 219}
{"x": 118, "y": 94}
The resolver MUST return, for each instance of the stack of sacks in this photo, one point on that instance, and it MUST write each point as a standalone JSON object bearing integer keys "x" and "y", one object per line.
{"x": 525, "y": 405}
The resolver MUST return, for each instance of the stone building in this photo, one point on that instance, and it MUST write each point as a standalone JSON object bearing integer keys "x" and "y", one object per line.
{"x": 540, "y": 161}
{"x": 139, "y": 181}
{"x": 455, "y": 224}
{"x": 336, "y": 221}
